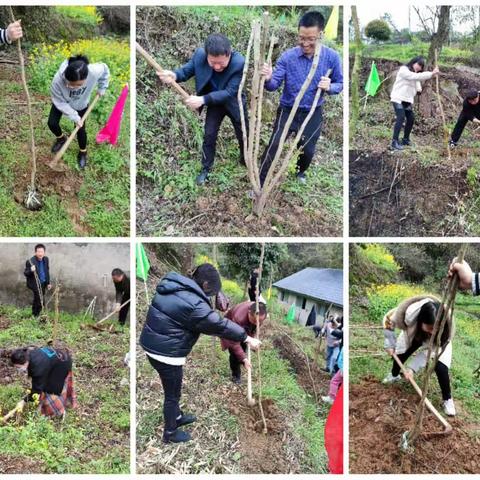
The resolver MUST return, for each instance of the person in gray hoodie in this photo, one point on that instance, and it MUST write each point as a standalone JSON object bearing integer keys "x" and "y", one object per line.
{"x": 71, "y": 89}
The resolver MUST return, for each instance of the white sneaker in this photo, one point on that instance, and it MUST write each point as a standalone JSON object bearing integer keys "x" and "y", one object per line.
{"x": 449, "y": 407}
{"x": 327, "y": 399}
{"x": 391, "y": 379}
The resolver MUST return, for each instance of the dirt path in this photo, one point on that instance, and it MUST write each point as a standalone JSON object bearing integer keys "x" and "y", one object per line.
{"x": 380, "y": 414}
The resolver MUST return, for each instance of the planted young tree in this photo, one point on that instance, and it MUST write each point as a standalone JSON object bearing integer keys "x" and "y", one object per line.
{"x": 258, "y": 41}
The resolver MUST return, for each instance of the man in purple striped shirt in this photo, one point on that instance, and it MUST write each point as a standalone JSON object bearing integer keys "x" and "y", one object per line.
{"x": 292, "y": 69}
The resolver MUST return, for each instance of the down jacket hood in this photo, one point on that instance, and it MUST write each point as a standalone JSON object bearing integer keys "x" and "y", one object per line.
{"x": 179, "y": 313}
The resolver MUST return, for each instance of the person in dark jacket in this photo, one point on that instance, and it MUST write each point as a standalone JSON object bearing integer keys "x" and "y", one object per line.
{"x": 252, "y": 285}
{"x": 122, "y": 293}
{"x": 470, "y": 113}
{"x": 179, "y": 313}
{"x": 242, "y": 314}
{"x": 51, "y": 373}
{"x": 218, "y": 72}
{"x": 37, "y": 272}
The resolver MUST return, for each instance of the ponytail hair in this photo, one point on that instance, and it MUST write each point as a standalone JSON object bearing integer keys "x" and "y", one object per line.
{"x": 19, "y": 356}
{"x": 77, "y": 68}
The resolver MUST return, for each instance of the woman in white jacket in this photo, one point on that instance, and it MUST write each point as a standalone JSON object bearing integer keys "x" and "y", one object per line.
{"x": 407, "y": 85}
{"x": 416, "y": 318}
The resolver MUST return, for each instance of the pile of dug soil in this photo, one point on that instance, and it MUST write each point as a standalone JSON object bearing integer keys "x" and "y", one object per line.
{"x": 380, "y": 414}
{"x": 396, "y": 196}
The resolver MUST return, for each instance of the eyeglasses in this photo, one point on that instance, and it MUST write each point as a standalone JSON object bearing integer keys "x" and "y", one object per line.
{"x": 302, "y": 39}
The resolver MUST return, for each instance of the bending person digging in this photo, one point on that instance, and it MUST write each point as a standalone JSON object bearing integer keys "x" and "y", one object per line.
{"x": 122, "y": 294}
{"x": 52, "y": 379}
{"x": 292, "y": 69}
{"x": 470, "y": 113}
{"x": 72, "y": 87}
{"x": 179, "y": 313}
{"x": 416, "y": 317}
{"x": 242, "y": 314}
{"x": 218, "y": 71}
{"x": 11, "y": 33}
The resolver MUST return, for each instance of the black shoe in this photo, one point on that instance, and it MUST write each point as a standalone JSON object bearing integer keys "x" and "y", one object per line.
{"x": 452, "y": 144}
{"x": 82, "y": 159}
{"x": 406, "y": 142}
{"x": 301, "y": 177}
{"x": 59, "y": 142}
{"x": 237, "y": 379}
{"x": 177, "y": 436}
{"x": 202, "y": 177}
{"x": 186, "y": 419}
{"x": 396, "y": 145}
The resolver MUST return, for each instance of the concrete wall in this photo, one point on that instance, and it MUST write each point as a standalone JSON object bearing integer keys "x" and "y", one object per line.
{"x": 301, "y": 314}
{"x": 83, "y": 270}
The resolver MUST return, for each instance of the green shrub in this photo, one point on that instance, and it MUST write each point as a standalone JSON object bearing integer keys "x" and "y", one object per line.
{"x": 383, "y": 298}
{"x": 381, "y": 257}
{"x": 87, "y": 15}
{"x": 232, "y": 290}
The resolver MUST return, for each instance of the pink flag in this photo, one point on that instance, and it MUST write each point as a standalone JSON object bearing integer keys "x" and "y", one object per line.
{"x": 109, "y": 133}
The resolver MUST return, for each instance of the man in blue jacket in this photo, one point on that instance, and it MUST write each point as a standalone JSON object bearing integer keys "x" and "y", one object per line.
{"x": 292, "y": 69}
{"x": 179, "y": 313}
{"x": 37, "y": 273}
{"x": 218, "y": 72}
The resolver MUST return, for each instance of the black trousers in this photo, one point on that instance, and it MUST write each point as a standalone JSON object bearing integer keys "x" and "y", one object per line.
{"x": 54, "y": 126}
{"x": 235, "y": 364}
{"x": 37, "y": 299}
{"x": 459, "y": 127}
{"x": 122, "y": 315}
{"x": 171, "y": 377}
{"x": 307, "y": 142}
{"x": 403, "y": 115}
{"x": 213, "y": 121}
{"x": 441, "y": 370}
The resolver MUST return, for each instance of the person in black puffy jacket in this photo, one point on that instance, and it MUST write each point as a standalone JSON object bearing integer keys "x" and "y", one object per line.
{"x": 179, "y": 313}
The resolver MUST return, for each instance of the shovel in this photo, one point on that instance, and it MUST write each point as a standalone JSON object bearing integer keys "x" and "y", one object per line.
{"x": 61, "y": 152}
{"x": 447, "y": 427}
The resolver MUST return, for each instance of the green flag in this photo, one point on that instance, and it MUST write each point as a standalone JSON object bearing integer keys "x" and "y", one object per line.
{"x": 143, "y": 265}
{"x": 373, "y": 81}
{"x": 290, "y": 318}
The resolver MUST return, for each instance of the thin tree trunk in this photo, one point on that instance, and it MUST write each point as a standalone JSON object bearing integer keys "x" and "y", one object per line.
{"x": 355, "y": 83}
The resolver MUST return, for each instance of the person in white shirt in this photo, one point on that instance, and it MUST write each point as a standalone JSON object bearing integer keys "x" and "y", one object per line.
{"x": 407, "y": 85}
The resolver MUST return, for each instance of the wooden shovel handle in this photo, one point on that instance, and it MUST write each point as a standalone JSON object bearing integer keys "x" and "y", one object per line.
{"x": 110, "y": 314}
{"x": 62, "y": 151}
{"x": 428, "y": 403}
{"x": 153, "y": 63}
{"x": 249, "y": 376}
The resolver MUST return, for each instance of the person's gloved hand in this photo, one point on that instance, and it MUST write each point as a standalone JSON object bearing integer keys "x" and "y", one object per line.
{"x": 117, "y": 307}
{"x": 254, "y": 343}
{"x": 32, "y": 268}
{"x": 167, "y": 76}
{"x": 247, "y": 364}
{"x": 20, "y": 406}
{"x": 408, "y": 374}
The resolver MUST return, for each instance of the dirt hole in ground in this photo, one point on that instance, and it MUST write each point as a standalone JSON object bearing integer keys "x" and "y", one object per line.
{"x": 395, "y": 196}
{"x": 380, "y": 414}
{"x": 261, "y": 452}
